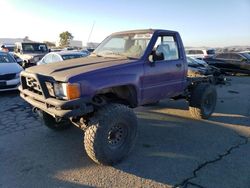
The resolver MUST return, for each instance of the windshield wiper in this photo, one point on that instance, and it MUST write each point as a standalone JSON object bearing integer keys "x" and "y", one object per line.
{"x": 132, "y": 58}
{"x": 115, "y": 55}
{"x": 123, "y": 55}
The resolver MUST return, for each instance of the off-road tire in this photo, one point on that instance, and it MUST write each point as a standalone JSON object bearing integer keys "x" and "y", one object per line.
{"x": 51, "y": 123}
{"x": 111, "y": 134}
{"x": 202, "y": 101}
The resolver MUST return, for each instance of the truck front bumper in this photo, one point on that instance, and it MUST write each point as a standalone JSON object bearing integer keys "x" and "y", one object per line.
{"x": 51, "y": 105}
{"x": 55, "y": 107}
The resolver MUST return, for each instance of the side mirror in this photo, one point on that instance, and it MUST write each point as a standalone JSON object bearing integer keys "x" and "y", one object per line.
{"x": 49, "y": 50}
{"x": 157, "y": 56}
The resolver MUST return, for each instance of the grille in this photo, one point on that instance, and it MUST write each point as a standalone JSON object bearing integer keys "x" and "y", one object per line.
{"x": 7, "y": 76}
{"x": 33, "y": 85}
{"x": 8, "y": 86}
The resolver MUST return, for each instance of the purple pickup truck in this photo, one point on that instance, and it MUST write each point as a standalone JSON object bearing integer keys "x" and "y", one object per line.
{"x": 97, "y": 93}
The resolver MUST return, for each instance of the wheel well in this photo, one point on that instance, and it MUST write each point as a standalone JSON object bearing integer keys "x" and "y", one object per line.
{"x": 121, "y": 94}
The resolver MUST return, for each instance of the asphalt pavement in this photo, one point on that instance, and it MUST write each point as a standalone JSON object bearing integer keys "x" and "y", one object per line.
{"x": 172, "y": 149}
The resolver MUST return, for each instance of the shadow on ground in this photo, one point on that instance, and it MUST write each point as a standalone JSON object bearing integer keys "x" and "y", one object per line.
{"x": 170, "y": 147}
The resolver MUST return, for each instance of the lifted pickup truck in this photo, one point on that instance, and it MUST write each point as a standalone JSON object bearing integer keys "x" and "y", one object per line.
{"x": 97, "y": 93}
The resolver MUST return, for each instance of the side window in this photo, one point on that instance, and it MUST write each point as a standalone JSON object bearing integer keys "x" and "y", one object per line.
{"x": 167, "y": 45}
{"x": 56, "y": 58}
{"x": 48, "y": 58}
{"x": 199, "y": 52}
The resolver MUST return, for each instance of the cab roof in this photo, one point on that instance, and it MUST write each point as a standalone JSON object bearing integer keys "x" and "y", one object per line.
{"x": 143, "y": 31}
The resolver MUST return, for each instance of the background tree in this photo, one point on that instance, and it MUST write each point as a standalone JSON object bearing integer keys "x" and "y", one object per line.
{"x": 65, "y": 38}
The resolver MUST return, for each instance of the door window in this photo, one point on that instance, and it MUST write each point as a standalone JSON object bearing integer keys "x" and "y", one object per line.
{"x": 56, "y": 58}
{"x": 167, "y": 45}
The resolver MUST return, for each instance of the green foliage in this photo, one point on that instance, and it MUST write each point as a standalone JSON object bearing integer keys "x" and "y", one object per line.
{"x": 65, "y": 38}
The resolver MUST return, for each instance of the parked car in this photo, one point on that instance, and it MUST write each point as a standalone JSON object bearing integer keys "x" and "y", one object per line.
{"x": 30, "y": 52}
{"x": 198, "y": 68}
{"x": 9, "y": 72}
{"x": 235, "y": 62}
{"x": 248, "y": 52}
{"x": 9, "y": 47}
{"x": 200, "y": 53}
{"x": 53, "y": 57}
{"x": 85, "y": 52}
{"x": 56, "y": 49}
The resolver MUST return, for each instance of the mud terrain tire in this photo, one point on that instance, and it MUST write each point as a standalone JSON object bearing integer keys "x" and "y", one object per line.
{"x": 111, "y": 134}
{"x": 203, "y": 101}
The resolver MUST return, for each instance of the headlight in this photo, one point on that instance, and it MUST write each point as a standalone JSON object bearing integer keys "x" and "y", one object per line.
{"x": 17, "y": 75}
{"x": 67, "y": 90}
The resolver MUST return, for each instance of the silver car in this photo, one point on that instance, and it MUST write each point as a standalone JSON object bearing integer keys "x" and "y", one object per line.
{"x": 9, "y": 72}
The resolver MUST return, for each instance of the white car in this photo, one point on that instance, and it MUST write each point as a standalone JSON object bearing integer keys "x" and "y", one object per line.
{"x": 53, "y": 57}
{"x": 9, "y": 72}
{"x": 200, "y": 53}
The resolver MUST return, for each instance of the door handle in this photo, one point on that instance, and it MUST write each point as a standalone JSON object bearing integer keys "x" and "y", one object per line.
{"x": 178, "y": 65}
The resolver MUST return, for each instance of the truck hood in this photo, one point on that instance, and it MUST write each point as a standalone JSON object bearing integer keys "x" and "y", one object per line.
{"x": 8, "y": 68}
{"x": 62, "y": 71}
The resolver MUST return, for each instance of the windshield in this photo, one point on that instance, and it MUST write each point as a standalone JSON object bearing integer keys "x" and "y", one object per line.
{"x": 247, "y": 55}
{"x": 34, "y": 47}
{"x": 129, "y": 45}
{"x": 6, "y": 58}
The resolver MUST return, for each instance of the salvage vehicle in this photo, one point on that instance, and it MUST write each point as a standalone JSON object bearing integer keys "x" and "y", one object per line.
{"x": 9, "y": 72}
{"x": 53, "y": 57}
{"x": 199, "y": 68}
{"x": 97, "y": 93}
{"x": 30, "y": 52}
{"x": 200, "y": 53}
{"x": 233, "y": 62}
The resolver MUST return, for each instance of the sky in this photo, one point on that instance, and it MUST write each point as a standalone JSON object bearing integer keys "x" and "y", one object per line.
{"x": 213, "y": 23}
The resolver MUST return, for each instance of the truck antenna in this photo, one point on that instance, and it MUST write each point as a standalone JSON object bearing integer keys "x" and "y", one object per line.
{"x": 91, "y": 31}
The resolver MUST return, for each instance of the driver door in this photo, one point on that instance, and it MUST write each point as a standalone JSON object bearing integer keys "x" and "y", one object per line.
{"x": 164, "y": 78}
